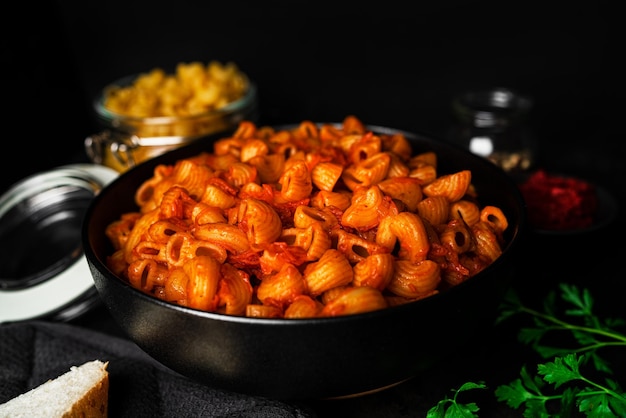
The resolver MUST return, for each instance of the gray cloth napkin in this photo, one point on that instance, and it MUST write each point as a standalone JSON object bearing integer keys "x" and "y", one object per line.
{"x": 33, "y": 352}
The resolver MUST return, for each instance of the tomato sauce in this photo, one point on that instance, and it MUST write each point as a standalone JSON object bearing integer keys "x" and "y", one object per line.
{"x": 559, "y": 203}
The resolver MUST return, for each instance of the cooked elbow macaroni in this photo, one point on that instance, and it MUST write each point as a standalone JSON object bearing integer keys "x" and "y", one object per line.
{"x": 314, "y": 221}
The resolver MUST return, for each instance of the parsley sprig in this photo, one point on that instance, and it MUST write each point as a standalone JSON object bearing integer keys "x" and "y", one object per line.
{"x": 577, "y": 378}
{"x": 589, "y": 331}
{"x": 451, "y": 408}
{"x": 592, "y": 398}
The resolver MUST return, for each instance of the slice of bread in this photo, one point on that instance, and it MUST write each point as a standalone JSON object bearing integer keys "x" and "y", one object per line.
{"x": 81, "y": 392}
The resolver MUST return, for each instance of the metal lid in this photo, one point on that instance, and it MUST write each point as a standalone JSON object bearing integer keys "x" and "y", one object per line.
{"x": 43, "y": 271}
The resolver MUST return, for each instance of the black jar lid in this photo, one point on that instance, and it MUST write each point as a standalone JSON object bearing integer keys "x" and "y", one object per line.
{"x": 43, "y": 271}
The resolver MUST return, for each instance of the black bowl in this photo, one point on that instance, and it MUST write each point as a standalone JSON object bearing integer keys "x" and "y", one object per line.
{"x": 309, "y": 358}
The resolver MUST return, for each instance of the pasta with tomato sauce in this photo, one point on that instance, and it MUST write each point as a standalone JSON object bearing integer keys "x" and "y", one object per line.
{"x": 311, "y": 221}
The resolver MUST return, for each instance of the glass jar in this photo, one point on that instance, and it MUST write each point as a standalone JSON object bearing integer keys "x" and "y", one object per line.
{"x": 492, "y": 123}
{"x": 126, "y": 141}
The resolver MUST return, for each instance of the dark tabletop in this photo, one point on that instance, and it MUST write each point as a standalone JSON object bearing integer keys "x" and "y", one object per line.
{"x": 565, "y": 61}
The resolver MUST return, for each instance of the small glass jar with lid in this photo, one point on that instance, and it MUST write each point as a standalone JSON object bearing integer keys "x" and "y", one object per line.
{"x": 492, "y": 123}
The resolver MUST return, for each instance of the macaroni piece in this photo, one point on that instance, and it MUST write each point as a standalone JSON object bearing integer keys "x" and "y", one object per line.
{"x": 466, "y": 210}
{"x": 315, "y": 221}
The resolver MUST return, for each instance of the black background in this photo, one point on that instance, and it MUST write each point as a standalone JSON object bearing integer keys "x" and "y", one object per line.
{"x": 390, "y": 63}
{"x": 393, "y": 63}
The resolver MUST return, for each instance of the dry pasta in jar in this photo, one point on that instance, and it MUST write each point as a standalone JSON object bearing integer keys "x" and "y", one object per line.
{"x": 194, "y": 88}
{"x": 145, "y": 115}
{"x": 314, "y": 220}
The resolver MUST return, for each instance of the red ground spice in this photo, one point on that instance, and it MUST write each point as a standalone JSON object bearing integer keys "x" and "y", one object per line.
{"x": 559, "y": 203}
